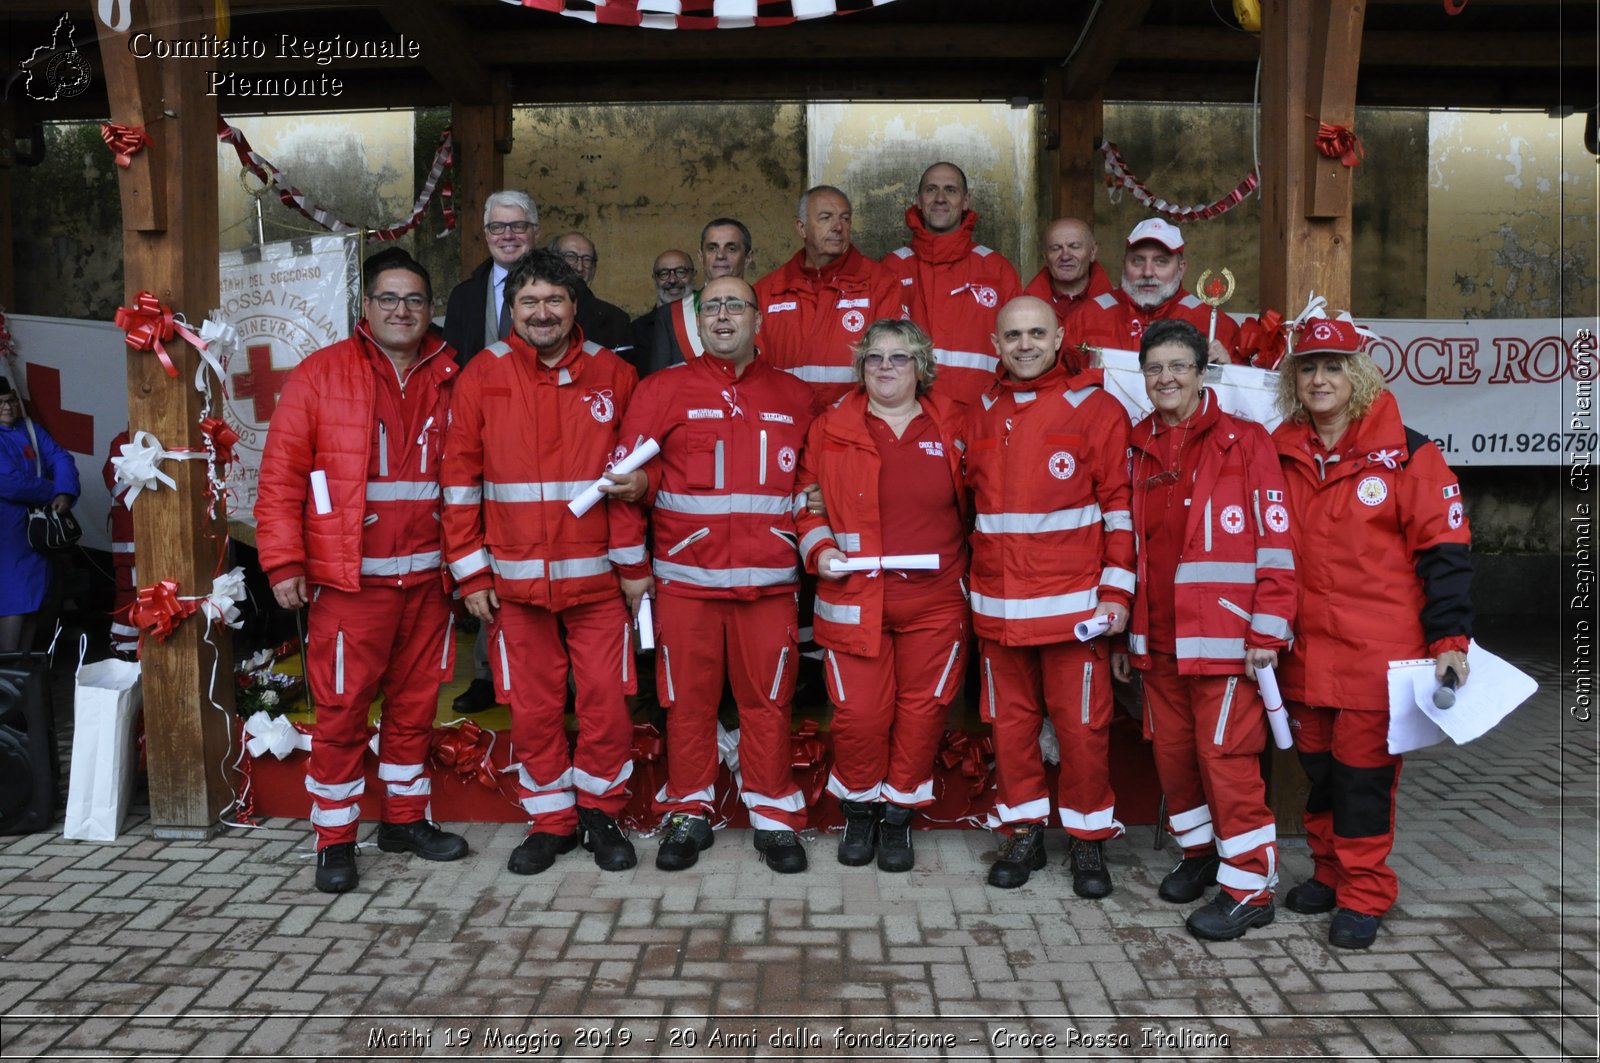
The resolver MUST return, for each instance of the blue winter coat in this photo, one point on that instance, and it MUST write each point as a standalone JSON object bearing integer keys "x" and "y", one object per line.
{"x": 24, "y": 573}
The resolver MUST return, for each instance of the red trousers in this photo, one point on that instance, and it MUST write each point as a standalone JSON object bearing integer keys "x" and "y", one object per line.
{"x": 530, "y": 649}
{"x": 1350, "y": 809}
{"x": 389, "y": 640}
{"x": 754, "y": 644}
{"x": 1208, "y": 732}
{"x": 1072, "y": 681}
{"x": 889, "y": 710}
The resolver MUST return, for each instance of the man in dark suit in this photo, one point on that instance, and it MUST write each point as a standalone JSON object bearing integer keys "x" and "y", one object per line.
{"x": 605, "y": 323}
{"x": 476, "y": 315}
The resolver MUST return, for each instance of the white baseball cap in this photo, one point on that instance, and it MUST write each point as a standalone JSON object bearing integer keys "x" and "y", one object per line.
{"x": 1160, "y": 230}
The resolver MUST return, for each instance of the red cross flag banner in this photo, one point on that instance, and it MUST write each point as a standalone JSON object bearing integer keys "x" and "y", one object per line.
{"x": 285, "y": 299}
{"x": 698, "y": 14}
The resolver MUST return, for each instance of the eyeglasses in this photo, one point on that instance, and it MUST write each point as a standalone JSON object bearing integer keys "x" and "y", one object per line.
{"x": 669, "y": 272}
{"x": 389, "y": 300}
{"x": 495, "y": 228}
{"x": 10, "y": 400}
{"x": 875, "y": 359}
{"x": 1177, "y": 369}
{"x": 575, "y": 259}
{"x": 731, "y": 307}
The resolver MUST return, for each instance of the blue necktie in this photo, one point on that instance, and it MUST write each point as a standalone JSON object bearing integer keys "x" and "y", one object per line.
{"x": 505, "y": 318}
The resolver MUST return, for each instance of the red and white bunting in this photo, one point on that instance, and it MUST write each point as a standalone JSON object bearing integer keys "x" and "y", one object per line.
{"x": 698, "y": 14}
{"x": 1119, "y": 179}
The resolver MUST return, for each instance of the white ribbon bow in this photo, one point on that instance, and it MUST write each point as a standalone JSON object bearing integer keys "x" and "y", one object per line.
{"x": 1386, "y": 458}
{"x": 214, "y": 332}
{"x": 137, "y": 466}
{"x": 1315, "y": 304}
{"x": 227, "y": 591}
{"x": 728, "y": 749}
{"x": 273, "y": 734}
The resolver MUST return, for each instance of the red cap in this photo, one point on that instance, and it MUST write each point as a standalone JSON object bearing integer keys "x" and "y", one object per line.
{"x": 1160, "y": 230}
{"x": 1328, "y": 335}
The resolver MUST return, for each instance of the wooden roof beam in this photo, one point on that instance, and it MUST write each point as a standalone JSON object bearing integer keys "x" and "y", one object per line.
{"x": 1099, "y": 46}
{"x": 449, "y": 53}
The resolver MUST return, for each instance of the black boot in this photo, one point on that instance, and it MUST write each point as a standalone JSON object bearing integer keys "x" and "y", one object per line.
{"x": 1090, "y": 876}
{"x": 1188, "y": 881}
{"x": 423, "y": 838}
{"x": 894, "y": 839}
{"x": 336, "y": 868}
{"x": 859, "y": 840}
{"x": 1021, "y": 854}
{"x": 600, "y": 835}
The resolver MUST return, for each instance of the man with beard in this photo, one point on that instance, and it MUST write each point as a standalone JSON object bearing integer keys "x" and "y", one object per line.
{"x": 1072, "y": 277}
{"x": 1152, "y": 290}
{"x": 953, "y": 285}
{"x": 673, "y": 275}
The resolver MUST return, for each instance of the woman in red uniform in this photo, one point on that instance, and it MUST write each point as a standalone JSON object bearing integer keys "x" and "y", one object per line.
{"x": 1215, "y": 602}
{"x": 1385, "y": 574}
{"x": 888, "y": 459}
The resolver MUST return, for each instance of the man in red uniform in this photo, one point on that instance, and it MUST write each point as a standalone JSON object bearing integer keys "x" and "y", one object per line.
{"x": 725, "y": 572}
{"x": 348, "y": 521}
{"x": 1072, "y": 274}
{"x": 1216, "y": 601}
{"x": 815, "y": 305}
{"x": 952, "y": 285}
{"x": 533, "y": 422}
{"x": 1152, "y": 289}
{"x": 1053, "y": 544}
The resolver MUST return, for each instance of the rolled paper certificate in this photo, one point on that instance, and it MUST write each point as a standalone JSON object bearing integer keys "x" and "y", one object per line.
{"x": 904, "y": 562}
{"x": 320, "y": 502}
{"x": 1267, "y": 680}
{"x": 1092, "y": 628}
{"x": 646, "y": 623}
{"x": 591, "y": 494}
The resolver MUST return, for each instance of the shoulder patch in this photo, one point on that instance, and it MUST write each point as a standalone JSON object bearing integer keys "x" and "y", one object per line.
{"x": 981, "y": 251}
{"x": 903, "y": 252}
{"x": 1189, "y": 302}
{"x": 591, "y": 348}
{"x": 499, "y": 348}
{"x": 1106, "y": 300}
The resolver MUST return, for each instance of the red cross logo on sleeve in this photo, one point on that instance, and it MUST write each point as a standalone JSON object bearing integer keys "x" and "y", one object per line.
{"x": 261, "y": 384}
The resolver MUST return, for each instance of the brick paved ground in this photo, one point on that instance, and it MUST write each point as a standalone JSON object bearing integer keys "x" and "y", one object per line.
{"x": 148, "y": 948}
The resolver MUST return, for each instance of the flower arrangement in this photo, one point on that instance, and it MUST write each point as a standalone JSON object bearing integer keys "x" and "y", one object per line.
{"x": 260, "y": 689}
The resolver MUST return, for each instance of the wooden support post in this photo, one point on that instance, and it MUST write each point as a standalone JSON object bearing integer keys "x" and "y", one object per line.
{"x": 1309, "y": 54}
{"x": 1310, "y": 50}
{"x": 481, "y": 134}
{"x": 1074, "y": 131}
{"x": 169, "y": 206}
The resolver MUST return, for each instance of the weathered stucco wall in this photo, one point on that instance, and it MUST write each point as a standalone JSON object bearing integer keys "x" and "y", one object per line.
{"x": 877, "y": 153}
{"x": 639, "y": 179}
{"x": 67, "y": 228}
{"x": 1511, "y": 198}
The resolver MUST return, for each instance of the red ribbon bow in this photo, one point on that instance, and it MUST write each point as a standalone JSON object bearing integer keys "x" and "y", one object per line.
{"x": 158, "y": 609}
{"x": 465, "y": 751}
{"x": 1339, "y": 142}
{"x": 223, "y": 438}
{"x": 1262, "y": 341}
{"x": 648, "y": 745}
{"x": 971, "y": 757}
{"x": 147, "y": 323}
{"x": 125, "y": 141}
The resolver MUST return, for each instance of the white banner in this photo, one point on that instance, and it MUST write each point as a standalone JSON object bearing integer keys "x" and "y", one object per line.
{"x": 286, "y": 299}
{"x": 1510, "y": 392}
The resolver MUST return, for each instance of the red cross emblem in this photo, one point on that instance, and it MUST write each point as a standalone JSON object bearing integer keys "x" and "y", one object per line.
{"x": 262, "y": 384}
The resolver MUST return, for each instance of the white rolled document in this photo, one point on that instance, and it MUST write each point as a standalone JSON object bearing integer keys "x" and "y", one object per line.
{"x": 1092, "y": 628}
{"x": 591, "y": 494}
{"x": 1277, "y": 717}
{"x": 646, "y": 623}
{"x": 321, "y": 503}
{"x": 904, "y": 562}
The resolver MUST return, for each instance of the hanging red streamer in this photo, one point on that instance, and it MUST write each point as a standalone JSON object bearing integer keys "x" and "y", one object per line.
{"x": 1339, "y": 142}
{"x": 125, "y": 141}
{"x": 1262, "y": 341}
{"x": 223, "y": 439}
{"x": 147, "y": 323}
{"x": 1119, "y": 178}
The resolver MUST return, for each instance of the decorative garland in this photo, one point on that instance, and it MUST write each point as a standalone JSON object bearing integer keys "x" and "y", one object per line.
{"x": 698, "y": 14}
{"x": 1119, "y": 178}
{"x": 297, "y": 200}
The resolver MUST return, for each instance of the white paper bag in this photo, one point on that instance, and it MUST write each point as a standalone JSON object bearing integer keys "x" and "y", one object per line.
{"x": 106, "y": 703}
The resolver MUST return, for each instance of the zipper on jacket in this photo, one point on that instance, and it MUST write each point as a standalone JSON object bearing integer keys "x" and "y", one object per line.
{"x": 1227, "y": 705}
{"x": 423, "y": 440}
{"x": 1255, "y": 503}
{"x": 1208, "y": 525}
{"x": 627, "y": 649}
{"x": 838, "y": 683}
{"x": 719, "y": 480}
{"x": 1088, "y": 689}
{"x": 689, "y": 540}
{"x": 383, "y": 450}
{"x": 761, "y": 476}
{"x": 1234, "y": 609}
{"x": 988, "y": 675}
{"x": 505, "y": 664}
{"x": 666, "y": 666}
{"x": 777, "y": 679}
{"x": 955, "y": 648}
{"x": 449, "y": 636}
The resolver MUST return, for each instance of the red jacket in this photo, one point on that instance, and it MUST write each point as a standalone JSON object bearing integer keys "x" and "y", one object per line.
{"x": 840, "y": 455}
{"x": 1235, "y": 581}
{"x": 811, "y": 319}
{"x": 383, "y": 481}
{"x": 525, "y": 439}
{"x": 1384, "y": 552}
{"x": 722, "y": 492}
{"x": 1069, "y": 306}
{"x": 953, "y": 287}
{"x": 1113, "y": 320}
{"x": 1047, "y": 464}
